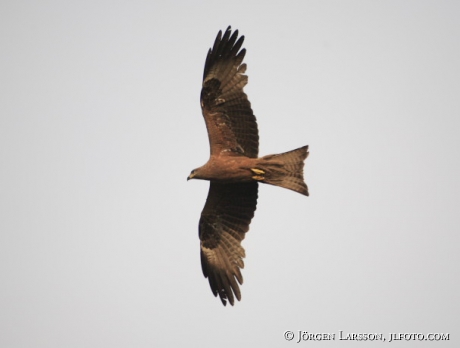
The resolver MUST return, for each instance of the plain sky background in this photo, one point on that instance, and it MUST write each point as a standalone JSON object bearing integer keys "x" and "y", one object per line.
{"x": 100, "y": 125}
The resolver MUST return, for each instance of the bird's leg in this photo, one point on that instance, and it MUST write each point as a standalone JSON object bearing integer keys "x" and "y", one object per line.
{"x": 259, "y": 174}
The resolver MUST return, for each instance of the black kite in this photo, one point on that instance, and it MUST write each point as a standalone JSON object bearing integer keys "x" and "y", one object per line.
{"x": 233, "y": 169}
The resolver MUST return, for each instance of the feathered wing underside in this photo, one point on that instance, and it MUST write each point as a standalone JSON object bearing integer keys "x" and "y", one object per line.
{"x": 224, "y": 221}
{"x": 231, "y": 124}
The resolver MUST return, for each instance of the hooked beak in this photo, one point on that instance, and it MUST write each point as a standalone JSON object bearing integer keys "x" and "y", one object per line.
{"x": 190, "y": 176}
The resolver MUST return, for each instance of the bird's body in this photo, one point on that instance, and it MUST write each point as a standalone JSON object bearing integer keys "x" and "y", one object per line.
{"x": 234, "y": 168}
{"x": 227, "y": 169}
{"x": 280, "y": 170}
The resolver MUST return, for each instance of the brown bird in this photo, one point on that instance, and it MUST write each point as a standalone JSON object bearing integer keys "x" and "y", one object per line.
{"x": 233, "y": 169}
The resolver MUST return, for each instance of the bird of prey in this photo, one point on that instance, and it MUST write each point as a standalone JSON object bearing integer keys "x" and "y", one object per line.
{"x": 234, "y": 168}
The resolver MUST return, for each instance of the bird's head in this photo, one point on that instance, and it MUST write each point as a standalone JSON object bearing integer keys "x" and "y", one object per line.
{"x": 193, "y": 174}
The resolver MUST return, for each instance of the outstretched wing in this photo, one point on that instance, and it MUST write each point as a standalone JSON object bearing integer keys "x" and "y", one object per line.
{"x": 224, "y": 221}
{"x": 232, "y": 127}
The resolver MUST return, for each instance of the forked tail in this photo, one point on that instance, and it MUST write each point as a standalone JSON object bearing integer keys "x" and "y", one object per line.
{"x": 284, "y": 170}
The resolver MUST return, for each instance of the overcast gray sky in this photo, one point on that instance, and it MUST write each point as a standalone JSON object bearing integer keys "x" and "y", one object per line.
{"x": 100, "y": 125}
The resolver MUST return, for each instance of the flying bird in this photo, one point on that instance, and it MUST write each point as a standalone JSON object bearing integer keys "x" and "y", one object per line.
{"x": 234, "y": 168}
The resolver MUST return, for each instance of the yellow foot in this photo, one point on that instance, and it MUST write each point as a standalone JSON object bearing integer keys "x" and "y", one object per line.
{"x": 257, "y": 171}
{"x": 259, "y": 174}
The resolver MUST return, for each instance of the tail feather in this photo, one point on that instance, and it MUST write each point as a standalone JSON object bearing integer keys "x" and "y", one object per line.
{"x": 286, "y": 169}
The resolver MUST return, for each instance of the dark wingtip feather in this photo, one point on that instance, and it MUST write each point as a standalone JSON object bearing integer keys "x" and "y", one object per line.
{"x": 226, "y": 45}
